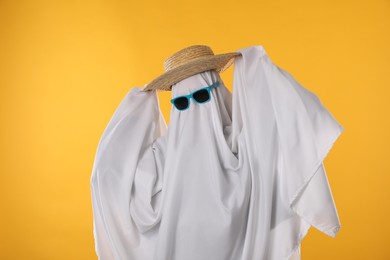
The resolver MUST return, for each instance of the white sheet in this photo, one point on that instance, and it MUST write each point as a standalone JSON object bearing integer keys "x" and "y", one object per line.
{"x": 240, "y": 177}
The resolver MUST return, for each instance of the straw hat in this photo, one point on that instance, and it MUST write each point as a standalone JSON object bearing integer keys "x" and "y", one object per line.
{"x": 187, "y": 62}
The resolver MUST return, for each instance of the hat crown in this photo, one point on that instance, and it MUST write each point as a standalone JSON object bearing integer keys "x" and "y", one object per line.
{"x": 186, "y": 55}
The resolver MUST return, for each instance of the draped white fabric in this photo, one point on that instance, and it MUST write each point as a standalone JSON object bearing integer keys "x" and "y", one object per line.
{"x": 240, "y": 177}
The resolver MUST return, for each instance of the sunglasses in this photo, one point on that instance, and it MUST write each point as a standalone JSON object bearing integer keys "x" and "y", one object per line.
{"x": 200, "y": 96}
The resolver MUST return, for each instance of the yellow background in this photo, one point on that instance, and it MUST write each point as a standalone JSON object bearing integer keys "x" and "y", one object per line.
{"x": 66, "y": 65}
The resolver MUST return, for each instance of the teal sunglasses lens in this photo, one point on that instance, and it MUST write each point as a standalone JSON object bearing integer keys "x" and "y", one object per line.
{"x": 201, "y": 96}
{"x": 181, "y": 103}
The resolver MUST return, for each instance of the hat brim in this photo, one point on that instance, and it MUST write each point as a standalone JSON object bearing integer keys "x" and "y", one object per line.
{"x": 219, "y": 62}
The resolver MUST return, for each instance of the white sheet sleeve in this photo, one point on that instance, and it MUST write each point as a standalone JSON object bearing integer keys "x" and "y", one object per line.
{"x": 307, "y": 131}
{"x": 288, "y": 133}
{"x": 135, "y": 125}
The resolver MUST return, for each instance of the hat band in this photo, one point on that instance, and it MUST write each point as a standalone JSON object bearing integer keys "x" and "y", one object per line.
{"x": 186, "y": 55}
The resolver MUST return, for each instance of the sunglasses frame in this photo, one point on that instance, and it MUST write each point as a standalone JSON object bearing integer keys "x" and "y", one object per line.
{"x": 189, "y": 96}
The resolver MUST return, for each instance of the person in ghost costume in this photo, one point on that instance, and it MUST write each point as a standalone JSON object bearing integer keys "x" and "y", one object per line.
{"x": 234, "y": 176}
